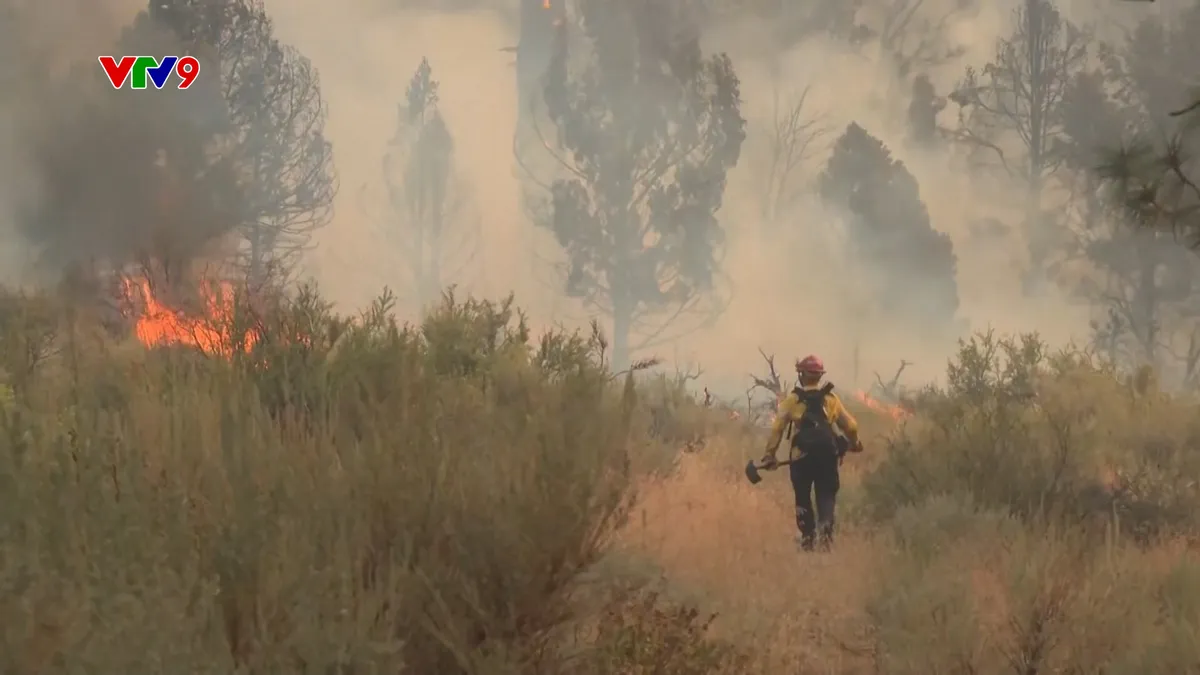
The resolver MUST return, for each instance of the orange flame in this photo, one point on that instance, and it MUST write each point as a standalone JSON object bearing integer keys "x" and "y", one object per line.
{"x": 894, "y": 411}
{"x": 159, "y": 324}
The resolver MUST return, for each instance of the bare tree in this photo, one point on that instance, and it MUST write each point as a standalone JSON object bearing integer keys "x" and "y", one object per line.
{"x": 792, "y": 138}
{"x": 915, "y": 34}
{"x": 773, "y": 383}
{"x": 427, "y": 202}
{"x": 1020, "y": 96}
{"x": 891, "y": 390}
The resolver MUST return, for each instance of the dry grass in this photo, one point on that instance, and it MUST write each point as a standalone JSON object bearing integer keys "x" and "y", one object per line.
{"x": 731, "y": 545}
{"x": 1038, "y": 523}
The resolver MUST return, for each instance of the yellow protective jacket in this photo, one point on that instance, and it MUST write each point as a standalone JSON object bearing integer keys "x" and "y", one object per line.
{"x": 791, "y": 409}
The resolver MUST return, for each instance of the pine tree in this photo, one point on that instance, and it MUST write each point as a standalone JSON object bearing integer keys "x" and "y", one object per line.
{"x": 425, "y": 195}
{"x": 1135, "y": 236}
{"x": 912, "y": 265}
{"x": 240, "y": 155}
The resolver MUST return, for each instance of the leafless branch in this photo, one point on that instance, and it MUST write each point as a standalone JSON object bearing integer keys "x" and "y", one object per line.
{"x": 791, "y": 139}
{"x": 772, "y": 382}
{"x": 891, "y": 388}
{"x": 1195, "y": 105}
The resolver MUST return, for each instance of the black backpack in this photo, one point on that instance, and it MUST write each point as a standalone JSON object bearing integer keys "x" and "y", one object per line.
{"x": 813, "y": 433}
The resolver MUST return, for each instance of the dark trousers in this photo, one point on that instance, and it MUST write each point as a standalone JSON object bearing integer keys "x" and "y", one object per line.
{"x": 816, "y": 472}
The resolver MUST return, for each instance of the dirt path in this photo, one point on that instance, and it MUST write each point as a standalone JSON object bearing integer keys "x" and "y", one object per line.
{"x": 733, "y": 545}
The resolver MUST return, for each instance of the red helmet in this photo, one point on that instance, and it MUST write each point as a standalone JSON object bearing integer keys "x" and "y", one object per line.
{"x": 810, "y": 364}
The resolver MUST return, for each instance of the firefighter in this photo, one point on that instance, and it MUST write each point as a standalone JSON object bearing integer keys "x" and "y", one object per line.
{"x": 814, "y": 412}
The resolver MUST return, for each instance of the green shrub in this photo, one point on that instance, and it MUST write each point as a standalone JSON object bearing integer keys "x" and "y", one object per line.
{"x": 1043, "y": 435}
{"x": 347, "y": 495}
{"x": 1002, "y": 508}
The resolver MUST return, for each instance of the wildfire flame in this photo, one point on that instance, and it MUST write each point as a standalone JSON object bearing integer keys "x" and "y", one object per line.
{"x": 158, "y": 324}
{"x": 894, "y": 411}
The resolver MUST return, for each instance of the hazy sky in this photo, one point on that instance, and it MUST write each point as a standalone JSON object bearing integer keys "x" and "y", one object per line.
{"x": 366, "y": 52}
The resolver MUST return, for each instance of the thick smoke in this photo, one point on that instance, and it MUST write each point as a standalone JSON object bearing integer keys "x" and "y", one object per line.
{"x": 41, "y": 40}
{"x": 790, "y": 296}
{"x": 161, "y": 178}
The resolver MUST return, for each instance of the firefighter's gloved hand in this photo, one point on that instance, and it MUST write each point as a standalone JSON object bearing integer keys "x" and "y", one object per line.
{"x": 857, "y": 447}
{"x": 769, "y": 463}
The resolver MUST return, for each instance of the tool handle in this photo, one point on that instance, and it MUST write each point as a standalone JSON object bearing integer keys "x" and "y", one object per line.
{"x": 777, "y": 464}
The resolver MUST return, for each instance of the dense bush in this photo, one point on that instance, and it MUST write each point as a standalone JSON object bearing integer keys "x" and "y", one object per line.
{"x": 1035, "y": 518}
{"x": 353, "y": 495}
{"x": 347, "y": 496}
{"x": 966, "y": 589}
{"x": 1043, "y": 435}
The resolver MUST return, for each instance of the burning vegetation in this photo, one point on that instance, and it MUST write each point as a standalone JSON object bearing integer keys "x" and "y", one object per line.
{"x": 774, "y": 384}
{"x": 211, "y": 328}
{"x": 894, "y": 411}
